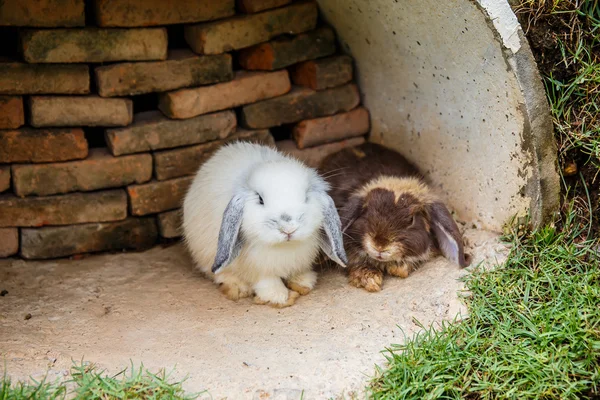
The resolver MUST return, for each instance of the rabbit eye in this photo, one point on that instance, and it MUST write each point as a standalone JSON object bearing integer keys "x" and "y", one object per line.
{"x": 260, "y": 200}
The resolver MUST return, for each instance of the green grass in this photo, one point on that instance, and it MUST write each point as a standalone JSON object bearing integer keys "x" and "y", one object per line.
{"x": 89, "y": 383}
{"x": 533, "y": 330}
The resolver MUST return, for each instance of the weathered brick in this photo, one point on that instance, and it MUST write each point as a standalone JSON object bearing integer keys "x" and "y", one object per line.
{"x": 74, "y": 208}
{"x": 80, "y": 111}
{"x": 42, "y": 145}
{"x": 318, "y": 131}
{"x": 153, "y": 131}
{"x": 253, "y": 6}
{"x": 11, "y": 112}
{"x": 4, "y": 178}
{"x": 99, "y": 171}
{"x": 299, "y": 104}
{"x": 323, "y": 73}
{"x": 286, "y": 51}
{"x": 132, "y": 13}
{"x": 182, "y": 69}
{"x": 156, "y": 197}
{"x": 247, "y": 87}
{"x": 94, "y": 45}
{"x": 62, "y": 241}
{"x": 20, "y": 78}
{"x": 169, "y": 224}
{"x": 9, "y": 242}
{"x": 313, "y": 156}
{"x": 244, "y": 31}
{"x": 186, "y": 161}
{"x": 42, "y": 13}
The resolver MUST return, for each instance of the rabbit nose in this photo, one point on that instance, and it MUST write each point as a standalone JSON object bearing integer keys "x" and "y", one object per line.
{"x": 288, "y": 232}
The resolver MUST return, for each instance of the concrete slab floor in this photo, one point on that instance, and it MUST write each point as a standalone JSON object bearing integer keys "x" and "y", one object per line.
{"x": 154, "y": 308}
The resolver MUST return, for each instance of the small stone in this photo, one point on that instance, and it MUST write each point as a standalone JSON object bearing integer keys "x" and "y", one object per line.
{"x": 21, "y": 78}
{"x": 314, "y": 132}
{"x": 570, "y": 169}
{"x": 186, "y": 161}
{"x": 300, "y": 104}
{"x": 3, "y": 293}
{"x": 99, "y": 171}
{"x": 156, "y": 197}
{"x": 283, "y": 52}
{"x": 80, "y": 111}
{"x": 169, "y": 224}
{"x": 323, "y": 73}
{"x": 153, "y": 131}
{"x": 9, "y": 242}
{"x": 314, "y": 155}
{"x": 254, "y": 6}
{"x": 63, "y": 241}
{"x": 11, "y": 112}
{"x": 247, "y": 87}
{"x": 244, "y": 31}
{"x": 75, "y": 208}
{"x": 182, "y": 69}
{"x": 42, "y": 145}
{"x": 94, "y": 45}
{"x": 27, "y": 316}
{"x": 133, "y": 13}
{"x": 42, "y": 13}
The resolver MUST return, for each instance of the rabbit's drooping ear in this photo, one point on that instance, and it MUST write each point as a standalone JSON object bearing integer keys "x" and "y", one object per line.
{"x": 351, "y": 211}
{"x": 447, "y": 234}
{"x": 333, "y": 244}
{"x": 230, "y": 241}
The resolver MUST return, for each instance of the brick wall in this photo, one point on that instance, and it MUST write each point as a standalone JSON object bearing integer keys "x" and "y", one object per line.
{"x": 108, "y": 108}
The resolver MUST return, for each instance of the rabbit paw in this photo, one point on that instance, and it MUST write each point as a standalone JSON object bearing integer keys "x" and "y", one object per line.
{"x": 368, "y": 278}
{"x": 303, "y": 283}
{"x": 234, "y": 291}
{"x": 291, "y": 299}
{"x": 400, "y": 270}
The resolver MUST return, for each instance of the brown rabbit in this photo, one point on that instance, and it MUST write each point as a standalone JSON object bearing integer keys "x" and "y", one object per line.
{"x": 391, "y": 219}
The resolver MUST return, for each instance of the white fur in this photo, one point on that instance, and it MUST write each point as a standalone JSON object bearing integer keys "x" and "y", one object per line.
{"x": 267, "y": 256}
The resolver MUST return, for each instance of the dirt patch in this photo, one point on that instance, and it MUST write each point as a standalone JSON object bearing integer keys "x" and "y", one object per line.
{"x": 154, "y": 308}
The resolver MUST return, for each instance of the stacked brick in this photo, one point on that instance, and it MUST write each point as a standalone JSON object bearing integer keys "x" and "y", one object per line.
{"x": 61, "y": 196}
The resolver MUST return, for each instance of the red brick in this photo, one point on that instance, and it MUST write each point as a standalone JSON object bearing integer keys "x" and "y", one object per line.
{"x": 80, "y": 111}
{"x": 42, "y": 145}
{"x": 314, "y": 132}
{"x": 300, "y": 104}
{"x": 247, "y": 87}
{"x": 169, "y": 224}
{"x": 314, "y": 155}
{"x": 20, "y": 78}
{"x": 9, "y": 242}
{"x": 99, "y": 171}
{"x": 156, "y": 197}
{"x": 62, "y": 241}
{"x": 182, "y": 69}
{"x": 244, "y": 31}
{"x": 4, "y": 178}
{"x": 42, "y": 13}
{"x": 324, "y": 73}
{"x": 132, "y": 13}
{"x": 254, "y": 6}
{"x": 186, "y": 161}
{"x": 74, "y": 208}
{"x": 93, "y": 45}
{"x": 153, "y": 131}
{"x": 283, "y": 52}
{"x": 11, "y": 112}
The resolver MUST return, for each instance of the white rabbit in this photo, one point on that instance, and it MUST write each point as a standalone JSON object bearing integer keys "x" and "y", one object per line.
{"x": 254, "y": 218}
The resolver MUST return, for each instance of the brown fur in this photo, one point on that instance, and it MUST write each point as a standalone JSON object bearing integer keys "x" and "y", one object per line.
{"x": 387, "y": 210}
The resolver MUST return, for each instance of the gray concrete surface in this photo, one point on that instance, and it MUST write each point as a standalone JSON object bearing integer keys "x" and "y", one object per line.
{"x": 154, "y": 308}
{"x": 453, "y": 86}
